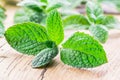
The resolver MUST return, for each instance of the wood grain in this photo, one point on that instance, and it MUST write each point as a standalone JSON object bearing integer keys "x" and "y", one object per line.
{"x": 15, "y": 66}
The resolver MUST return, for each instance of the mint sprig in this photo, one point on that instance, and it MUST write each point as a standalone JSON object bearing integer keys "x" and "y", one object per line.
{"x": 34, "y": 39}
{"x": 96, "y": 19}
{"x": 93, "y": 11}
{"x": 81, "y": 50}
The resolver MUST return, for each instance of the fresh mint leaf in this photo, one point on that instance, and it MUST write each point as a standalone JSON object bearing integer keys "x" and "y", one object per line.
{"x": 45, "y": 56}
{"x": 28, "y": 15}
{"x": 110, "y": 22}
{"x": 76, "y": 3}
{"x": 2, "y": 30}
{"x": 99, "y": 19}
{"x": 22, "y": 15}
{"x": 52, "y": 7}
{"x": 55, "y": 4}
{"x": 32, "y": 4}
{"x": 28, "y": 38}
{"x": 109, "y": 19}
{"x": 2, "y": 14}
{"x": 83, "y": 51}
{"x": 45, "y": 1}
{"x": 100, "y": 32}
{"x": 76, "y": 21}
{"x": 55, "y": 27}
{"x": 93, "y": 10}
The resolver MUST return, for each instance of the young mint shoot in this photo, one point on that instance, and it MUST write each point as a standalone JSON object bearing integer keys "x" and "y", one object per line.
{"x": 95, "y": 21}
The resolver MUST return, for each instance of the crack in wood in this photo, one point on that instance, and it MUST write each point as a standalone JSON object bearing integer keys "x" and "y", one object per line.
{"x": 24, "y": 68}
{"x": 13, "y": 66}
{"x": 43, "y": 73}
{"x": 3, "y": 44}
{"x": 12, "y": 62}
{"x": 3, "y": 57}
{"x": 2, "y": 60}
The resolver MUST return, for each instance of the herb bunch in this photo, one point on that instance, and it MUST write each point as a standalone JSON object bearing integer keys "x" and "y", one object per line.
{"x": 81, "y": 50}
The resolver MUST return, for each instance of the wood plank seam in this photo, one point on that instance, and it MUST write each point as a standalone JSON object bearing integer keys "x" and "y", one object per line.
{"x": 14, "y": 65}
{"x": 3, "y": 44}
{"x": 3, "y": 57}
{"x": 43, "y": 73}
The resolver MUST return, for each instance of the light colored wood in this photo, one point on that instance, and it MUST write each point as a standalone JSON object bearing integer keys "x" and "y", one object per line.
{"x": 15, "y": 66}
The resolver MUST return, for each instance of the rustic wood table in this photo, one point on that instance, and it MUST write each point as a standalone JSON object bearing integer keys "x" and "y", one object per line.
{"x": 16, "y": 66}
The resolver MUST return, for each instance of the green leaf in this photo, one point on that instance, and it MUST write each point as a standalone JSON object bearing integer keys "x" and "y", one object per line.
{"x": 2, "y": 14}
{"x": 28, "y": 38}
{"x": 55, "y": 4}
{"x": 110, "y": 22}
{"x": 55, "y": 27}
{"x": 76, "y": 21}
{"x": 83, "y": 51}
{"x": 45, "y": 1}
{"x": 93, "y": 10}
{"x": 52, "y": 7}
{"x": 100, "y": 19}
{"x": 100, "y": 32}
{"x": 45, "y": 56}
{"x": 28, "y": 15}
{"x": 2, "y": 30}
{"x": 32, "y": 4}
{"x": 109, "y": 19}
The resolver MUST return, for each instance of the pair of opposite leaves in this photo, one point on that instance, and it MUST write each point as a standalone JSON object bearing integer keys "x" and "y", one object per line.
{"x": 95, "y": 21}
{"x": 80, "y": 50}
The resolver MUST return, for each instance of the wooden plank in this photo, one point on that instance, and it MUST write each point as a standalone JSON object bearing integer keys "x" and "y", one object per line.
{"x": 2, "y": 42}
{"x": 15, "y": 66}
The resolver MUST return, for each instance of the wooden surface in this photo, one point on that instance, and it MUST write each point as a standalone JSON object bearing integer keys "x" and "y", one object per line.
{"x": 15, "y": 66}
